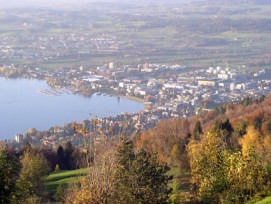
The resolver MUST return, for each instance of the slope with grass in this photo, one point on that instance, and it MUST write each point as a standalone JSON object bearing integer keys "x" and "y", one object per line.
{"x": 266, "y": 200}
{"x": 63, "y": 177}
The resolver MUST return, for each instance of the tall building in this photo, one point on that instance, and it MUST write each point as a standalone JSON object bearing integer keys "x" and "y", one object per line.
{"x": 18, "y": 138}
{"x": 111, "y": 65}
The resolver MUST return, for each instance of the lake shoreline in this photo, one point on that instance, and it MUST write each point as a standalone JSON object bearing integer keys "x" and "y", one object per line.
{"x": 21, "y": 104}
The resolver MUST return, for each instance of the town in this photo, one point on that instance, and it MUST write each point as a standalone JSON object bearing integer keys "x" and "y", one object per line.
{"x": 40, "y": 48}
{"x": 167, "y": 91}
{"x": 114, "y": 101}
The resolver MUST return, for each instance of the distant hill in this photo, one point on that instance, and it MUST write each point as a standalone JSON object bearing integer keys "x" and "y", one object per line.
{"x": 226, "y": 2}
{"x": 78, "y": 3}
{"x": 81, "y": 3}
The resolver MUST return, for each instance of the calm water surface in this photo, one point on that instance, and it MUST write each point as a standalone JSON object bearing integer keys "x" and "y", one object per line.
{"x": 22, "y": 106}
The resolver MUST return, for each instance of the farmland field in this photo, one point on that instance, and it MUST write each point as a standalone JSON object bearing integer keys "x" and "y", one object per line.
{"x": 193, "y": 34}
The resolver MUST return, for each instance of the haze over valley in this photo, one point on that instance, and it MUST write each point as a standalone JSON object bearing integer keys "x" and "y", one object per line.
{"x": 144, "y": 101}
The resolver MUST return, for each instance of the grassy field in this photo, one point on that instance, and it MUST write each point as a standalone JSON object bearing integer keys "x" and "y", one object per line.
{"x": 181, "y": 186}
{"x": 266, "y": 200}
{"x": 62, "y": 177}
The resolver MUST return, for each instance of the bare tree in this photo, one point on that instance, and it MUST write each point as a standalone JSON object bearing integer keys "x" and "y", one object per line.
{"x": 98, "y": 186}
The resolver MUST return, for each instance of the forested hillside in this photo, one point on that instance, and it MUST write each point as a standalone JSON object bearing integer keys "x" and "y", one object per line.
{"x": 226, "y": 151}
{"x": 223, "y": 155}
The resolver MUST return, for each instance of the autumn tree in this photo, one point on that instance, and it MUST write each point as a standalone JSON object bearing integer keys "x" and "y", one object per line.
{"x": 29, "y": 186}
{"x": 207, "y": 169}
{"x": 220, "y": 175}
{"x": 168, "y": 140}
{"x": 122, "y": 176}
{"x": 98, "y": 186}
{"x": 252, "y": 141}
{"x": 246, "y": 176}
{"x": 177, "y": 155}
{"x": 32, "y": 132}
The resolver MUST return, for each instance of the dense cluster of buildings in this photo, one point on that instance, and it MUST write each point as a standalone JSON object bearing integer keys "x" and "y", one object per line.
{"x": 43, "y": 48}
{"x": 167, "y": 90}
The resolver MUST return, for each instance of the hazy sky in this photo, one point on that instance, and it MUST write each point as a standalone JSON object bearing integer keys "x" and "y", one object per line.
{"x": 39, "y": 3}
{"x": 67, "y": 3}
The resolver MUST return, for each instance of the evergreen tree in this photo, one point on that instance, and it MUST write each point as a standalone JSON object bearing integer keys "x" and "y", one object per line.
{"x": 227, "y": 126}
{"x": 61, "y": 161}
{"x": 68, "y": 153}
{"x": 268, "y": 126}
{"x": 140, "y": 177}
{"x": 257, "y": 123}
{"x": 241, "y": 128}
{"x": 197, "y": 130}
{"x": 125, "y": 158}
{"x": 227, "y": 130}
{"x": 126, "y": 153}
{"x": 9, "y": 171}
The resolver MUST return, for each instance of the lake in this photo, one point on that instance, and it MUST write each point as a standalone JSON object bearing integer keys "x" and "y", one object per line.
{"x": 26, "y": 103}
